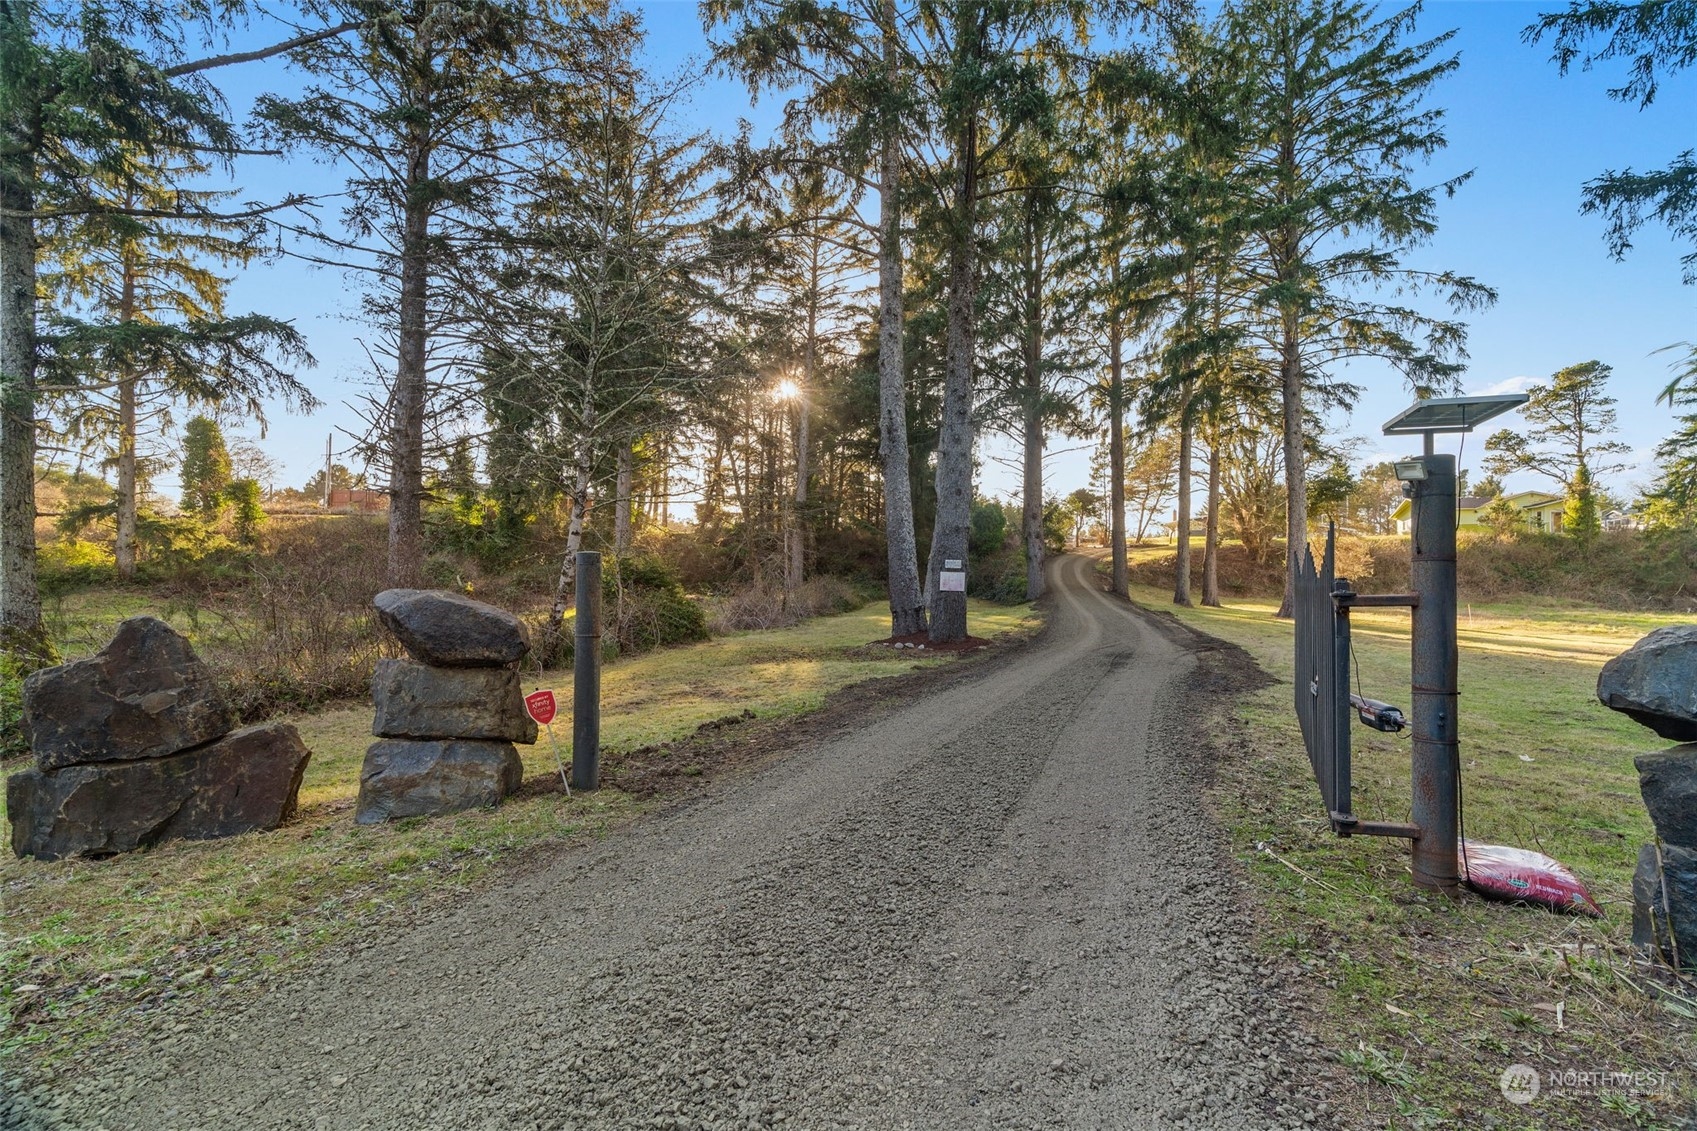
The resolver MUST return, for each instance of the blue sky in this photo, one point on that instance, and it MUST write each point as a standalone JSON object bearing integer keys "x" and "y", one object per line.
{"x": 1531, "y": 137}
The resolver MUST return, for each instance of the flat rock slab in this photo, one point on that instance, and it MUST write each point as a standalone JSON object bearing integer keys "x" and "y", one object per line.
{"x": 1664, "y": 903}
{"x": 1655, "y": 682}
{"x": 449, "y": 630}
{"x": 425, "y": 778}
{"x": 418, "y": 701}
{"x": 145, "y": 695}
{"x": 1668, "y": 781}
{"x": 245, "y": 782}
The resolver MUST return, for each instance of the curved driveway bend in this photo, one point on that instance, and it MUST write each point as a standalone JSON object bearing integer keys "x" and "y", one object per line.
{"x": 1001, "y": 905}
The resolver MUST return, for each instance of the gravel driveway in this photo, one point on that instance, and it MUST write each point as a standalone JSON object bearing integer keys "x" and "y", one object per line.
{"x": 1001, "y": 905}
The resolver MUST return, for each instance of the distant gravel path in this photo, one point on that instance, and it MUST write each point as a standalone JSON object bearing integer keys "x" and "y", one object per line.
{"x": 1000, "y": 906}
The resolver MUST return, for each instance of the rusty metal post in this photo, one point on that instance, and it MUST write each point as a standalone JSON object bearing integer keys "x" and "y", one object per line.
{"x": 586, "y": 674}
{"x": 1436, "y": 756}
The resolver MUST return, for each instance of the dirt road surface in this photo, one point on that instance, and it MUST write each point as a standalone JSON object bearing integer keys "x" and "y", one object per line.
{"x": 1000, "y": 905}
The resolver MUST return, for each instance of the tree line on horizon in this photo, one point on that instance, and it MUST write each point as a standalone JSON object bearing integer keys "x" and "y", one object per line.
{"x": 1095, "y": 218}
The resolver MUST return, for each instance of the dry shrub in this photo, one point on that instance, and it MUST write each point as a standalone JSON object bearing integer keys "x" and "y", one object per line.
{"x": 301, "y": 631}
{"x": 1356, "y": 557}
{"x": 1390, "y": 563}
{"x": 1352, "y": 558}
{"x": 700, "y": 561}
{"x": 1239, "y": 573}
{"x": 998, "y": 576}
{"x": 760, "y": 607}
{"x": 642, "y": 608}
{"x": 1615, "y": 569}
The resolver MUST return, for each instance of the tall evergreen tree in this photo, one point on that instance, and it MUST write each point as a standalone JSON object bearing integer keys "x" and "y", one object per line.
{"x": 590, "y": 329}
{"x": 425, "y": 105}
{"x": 816, "y": 245}
{"x": 1035, "y": 293}
{"x": 1329, "y": 96}
{"x": 1568, "y": 422}
{"x": 206, "y": 467}
{"x": 141, "y": 325}
{"x": 1137, "y": 116}
{"x": 1671, "y": 500}
{"x": 1656, "y": 38}
{"x": 994, "y": 72}
{"x": 856, "y": 112}
{"x": 83, "y": 88}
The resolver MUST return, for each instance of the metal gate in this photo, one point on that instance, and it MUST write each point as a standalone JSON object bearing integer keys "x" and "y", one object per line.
{"x": 1322, "y": 678}
{"x": 1324, "y": 705}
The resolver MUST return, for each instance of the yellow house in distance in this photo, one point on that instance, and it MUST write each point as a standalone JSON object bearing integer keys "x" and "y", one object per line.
{"x": 1540, "y": 509}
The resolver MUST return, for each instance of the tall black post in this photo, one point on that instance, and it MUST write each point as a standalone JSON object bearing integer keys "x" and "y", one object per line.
{"x": 1341, "y": 770}
{"x": 1436, "y": 755}
{"x": 586, "y": 674}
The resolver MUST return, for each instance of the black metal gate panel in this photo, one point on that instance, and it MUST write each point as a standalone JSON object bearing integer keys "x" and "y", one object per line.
{"x": 1322, "y": 678}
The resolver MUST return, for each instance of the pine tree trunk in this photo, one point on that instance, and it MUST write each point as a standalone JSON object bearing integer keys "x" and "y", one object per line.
{"x": 1181, "y": 578}
{"x": 1296, "y": 481}
{"x": 1211, "y": 542}
{"x": 907, "y": 605}
{"x": 1116, "y": 453}
{"x": 1031, "y": 512}
{"x": 954, "y": 443}
{"x": 797, "y": 570}
{"x": 623, "y": 504}
{"x": 567, "y": 580}
{"x": 665, "y": 484}
{"x": 124, "y": 544}
{"x": 406, "y": 426}
{"x": 21, "y": 629}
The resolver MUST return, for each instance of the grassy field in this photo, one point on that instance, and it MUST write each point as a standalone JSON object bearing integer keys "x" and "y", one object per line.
{"x": 1431, "y": 999}
{"x": 85, "y": 945}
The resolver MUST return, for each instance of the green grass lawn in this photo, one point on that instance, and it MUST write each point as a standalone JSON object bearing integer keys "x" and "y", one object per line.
{"x": 1432, "y": 999}
{"x": 85, "y": 942}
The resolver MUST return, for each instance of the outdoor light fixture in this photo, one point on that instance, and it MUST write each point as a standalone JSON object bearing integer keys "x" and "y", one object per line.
{"x": 1410, "y": 470}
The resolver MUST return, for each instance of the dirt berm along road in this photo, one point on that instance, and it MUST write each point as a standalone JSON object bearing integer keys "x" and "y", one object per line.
{"x": 1000, "y": 905}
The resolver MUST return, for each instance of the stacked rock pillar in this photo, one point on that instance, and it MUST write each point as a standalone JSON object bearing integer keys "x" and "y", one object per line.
{"x": 1655, "y": 684}
{"x": 1664, "y": 888}
{"x": 447, "y": 718}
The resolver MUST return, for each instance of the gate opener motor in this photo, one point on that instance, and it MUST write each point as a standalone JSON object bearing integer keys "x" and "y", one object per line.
{"x": 1379, "y": 716}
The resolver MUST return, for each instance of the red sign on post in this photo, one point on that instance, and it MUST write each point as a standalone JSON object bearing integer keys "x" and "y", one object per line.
{"x": 541, "y": 706}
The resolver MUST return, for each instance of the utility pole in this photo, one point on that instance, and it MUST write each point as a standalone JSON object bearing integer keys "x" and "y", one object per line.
{"x": 328, "y": 441}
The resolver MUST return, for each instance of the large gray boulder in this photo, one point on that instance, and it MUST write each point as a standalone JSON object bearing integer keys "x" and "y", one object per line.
{"x": 415, "y": 701}
{"x": 1655, "y": 682}
{"x": 1668, "y": 781}
{"x": 245, "y": 782}
{"x": 413, "y": 778}
{"x": 145, "y": 695}
{"x": 448, "y": 630}
{"x": 1664, "y": 903}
